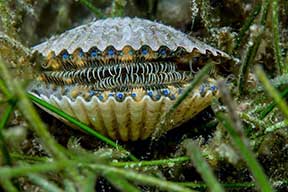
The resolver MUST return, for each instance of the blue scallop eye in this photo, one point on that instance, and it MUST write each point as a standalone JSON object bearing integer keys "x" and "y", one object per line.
{"x": 92, "y": 93}
{"x": 120, "y": 95}
{"x": 144, "y": 51}
{"x": 166, "y": 92}
{"x": 133, "y": 95}
{"x": 110, "y": 95}
{"x": 163, "y": 52}
{"x": 110, "y": 52}
{"x": 150, "y": 93}
{"x": 157, "y": 97}
{"x": 100, "y": 97}
{"x": 93, "y": 54}
{"x": 81, "y": 54}
{"x": 202, "y": 90}
{"x": 65, "y": 56}
{"x": 213, "y": 88}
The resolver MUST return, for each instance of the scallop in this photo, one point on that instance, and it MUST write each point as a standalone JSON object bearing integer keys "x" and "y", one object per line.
{"x": 120, "y": 75}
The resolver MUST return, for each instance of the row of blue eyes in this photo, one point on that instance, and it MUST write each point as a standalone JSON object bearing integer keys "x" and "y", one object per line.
{"x": 111, "y": 53}
{"x": 165, "y": 92}
{"x": 121, "y": 95}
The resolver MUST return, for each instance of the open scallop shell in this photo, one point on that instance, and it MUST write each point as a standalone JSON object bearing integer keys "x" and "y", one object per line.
{"x": 129, "y": 119}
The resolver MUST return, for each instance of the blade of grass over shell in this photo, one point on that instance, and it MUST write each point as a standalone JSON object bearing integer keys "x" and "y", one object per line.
{"x": 234, "y": 127}
{"x": 252, "y": 48}
{"x": 247, "y": 23}
{"x": 200, "y": 76}
{"x": 276, "y": 39}
{"x": 272, "y": 91}
{"x": 202, "y": 166}
{"x": 92, "y": 8}
{"x": 81, "y": 125}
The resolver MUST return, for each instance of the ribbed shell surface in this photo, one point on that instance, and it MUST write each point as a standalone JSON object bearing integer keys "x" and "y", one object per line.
{"x": 120, "y": 32}
{"x": 130, "y": 119}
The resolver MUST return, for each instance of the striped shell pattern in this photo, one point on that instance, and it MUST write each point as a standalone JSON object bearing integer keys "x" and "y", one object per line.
{"x": 120, "y": 75}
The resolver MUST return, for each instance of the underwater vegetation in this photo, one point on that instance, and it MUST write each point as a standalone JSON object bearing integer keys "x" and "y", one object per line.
{"x": 239, "y": 143}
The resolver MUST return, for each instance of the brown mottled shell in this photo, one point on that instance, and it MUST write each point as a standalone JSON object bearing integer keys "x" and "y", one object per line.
{"x": 130, "y": 119}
